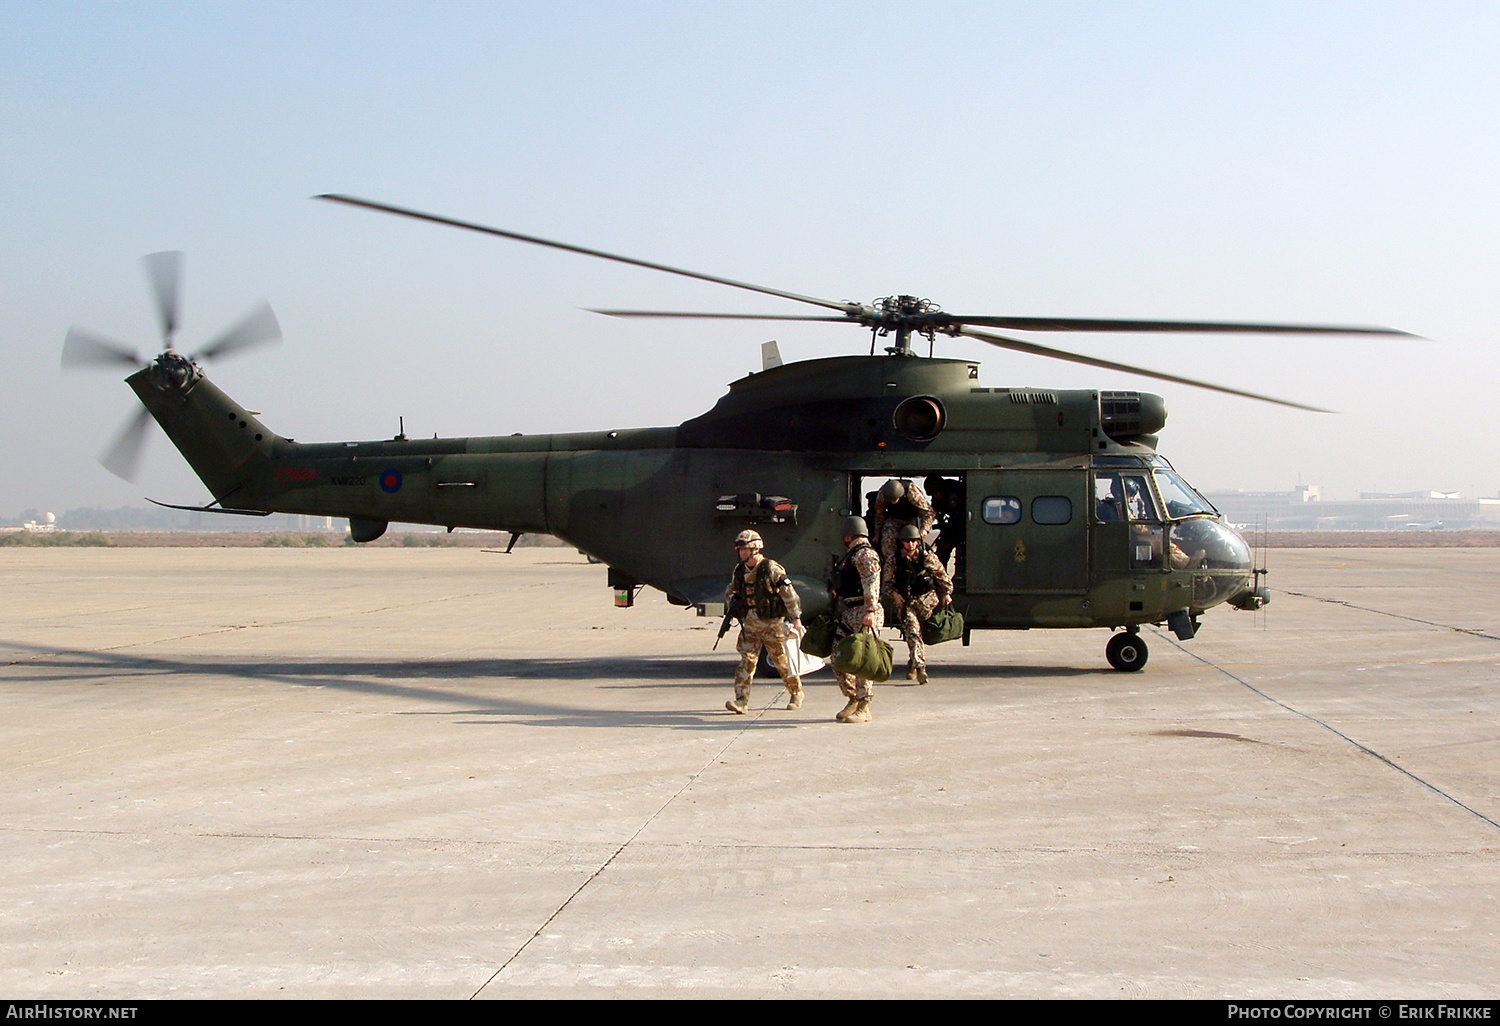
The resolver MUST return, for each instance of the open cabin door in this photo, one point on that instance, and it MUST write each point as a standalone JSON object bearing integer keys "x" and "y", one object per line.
{"x": 1028, "y": 532}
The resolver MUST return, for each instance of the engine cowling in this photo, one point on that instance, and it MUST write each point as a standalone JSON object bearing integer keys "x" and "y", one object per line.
{"x": 1132, "y": 416}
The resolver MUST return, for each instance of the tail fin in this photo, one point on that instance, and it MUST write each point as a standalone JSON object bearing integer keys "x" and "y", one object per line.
{"x": 222, "y": 441}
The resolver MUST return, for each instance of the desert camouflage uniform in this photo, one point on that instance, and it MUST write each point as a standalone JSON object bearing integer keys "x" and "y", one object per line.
{"x": 757, "y": 633}
{"x": 914, "y": 610}
{"x": 852, "y": 616}
{"x": 888, "y": 523}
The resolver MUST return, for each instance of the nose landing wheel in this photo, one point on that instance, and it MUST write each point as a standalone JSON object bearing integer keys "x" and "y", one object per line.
{"x": 1126, "y": 652}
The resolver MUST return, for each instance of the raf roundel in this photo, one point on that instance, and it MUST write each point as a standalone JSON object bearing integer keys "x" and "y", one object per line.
{"x": 390, "y": 481}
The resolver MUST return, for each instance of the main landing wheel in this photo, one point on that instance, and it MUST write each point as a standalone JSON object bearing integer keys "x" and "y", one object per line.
{"x": 1126, "y": 652}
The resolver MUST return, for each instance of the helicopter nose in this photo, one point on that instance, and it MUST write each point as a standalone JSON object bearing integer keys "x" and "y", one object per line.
{"x": 1237, "y": 552}
{"x": 1213, "y": 546}
{"x": 1252, "y": 594}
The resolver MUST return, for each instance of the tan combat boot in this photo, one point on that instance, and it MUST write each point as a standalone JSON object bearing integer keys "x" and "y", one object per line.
{"x": 794, "y": 699}
{"x": 911, "y": 671}
{"x": 843, "y": 715}
{"x": 922, "y": 675}
{"x": 738, "y": 705}
{"x": 861, "y": 713}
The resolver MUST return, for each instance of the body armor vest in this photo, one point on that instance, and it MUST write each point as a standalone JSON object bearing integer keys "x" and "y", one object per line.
{"x": 905, "y": 511}
{"x": 913, "y": 578}
{"x": 848, "y": 585}
{"x": 761, "y": 596}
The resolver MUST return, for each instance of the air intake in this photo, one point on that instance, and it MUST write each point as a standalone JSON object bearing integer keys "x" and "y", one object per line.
{"x": 1129, "y": 415}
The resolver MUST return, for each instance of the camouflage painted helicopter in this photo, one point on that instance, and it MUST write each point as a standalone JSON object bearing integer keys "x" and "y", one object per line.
{"x": 1071, "y": 517}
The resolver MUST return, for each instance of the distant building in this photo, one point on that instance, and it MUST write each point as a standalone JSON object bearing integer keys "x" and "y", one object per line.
{"x": 1304, "y": 509}
{"x": 47, "y": 526}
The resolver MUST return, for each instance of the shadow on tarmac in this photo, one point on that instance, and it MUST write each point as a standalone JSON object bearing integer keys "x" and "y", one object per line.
{"x": 402, "y": 679}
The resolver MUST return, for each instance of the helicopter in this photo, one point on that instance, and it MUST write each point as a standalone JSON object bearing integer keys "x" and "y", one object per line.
{"x": 1070, "y": 517}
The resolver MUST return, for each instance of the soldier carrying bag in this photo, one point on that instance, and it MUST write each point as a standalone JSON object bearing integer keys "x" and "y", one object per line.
{"x": 863, "y": 655}
{"x": 945, "y": 624}
{"x": 817, "y": 639}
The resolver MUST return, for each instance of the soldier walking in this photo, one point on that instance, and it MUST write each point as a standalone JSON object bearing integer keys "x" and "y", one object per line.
{"x": 857, "y": 592}
{"x": 918, "y": 585}
{"x": 763, "y": 598}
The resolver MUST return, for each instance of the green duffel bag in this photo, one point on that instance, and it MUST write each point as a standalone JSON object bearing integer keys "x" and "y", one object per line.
{"x": 863, "y": 655}
{"x": 817, "y": 639}
{"x": 945, "y": 624}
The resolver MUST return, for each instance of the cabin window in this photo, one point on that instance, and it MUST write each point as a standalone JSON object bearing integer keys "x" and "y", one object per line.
{"x": 1051, "y": 509}
{"x": 1001, "y": 509}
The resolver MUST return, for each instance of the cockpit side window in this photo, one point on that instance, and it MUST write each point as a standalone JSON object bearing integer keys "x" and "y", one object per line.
{"x": 1140, "y": 505}
{"x": 1109, "y": 498}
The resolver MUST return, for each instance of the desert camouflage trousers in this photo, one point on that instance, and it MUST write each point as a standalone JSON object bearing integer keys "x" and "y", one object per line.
{"x": 912, "y": 614}
{"x": 771, "y": 635}
{"x": 854, "y": 622}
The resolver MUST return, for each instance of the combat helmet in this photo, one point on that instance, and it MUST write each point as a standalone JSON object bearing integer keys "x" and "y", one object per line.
{"x": 750, "y": 539}
{"x": 854, "y": 527}
{"x": 910, "y": 533}
{"x": 892, "y": 491}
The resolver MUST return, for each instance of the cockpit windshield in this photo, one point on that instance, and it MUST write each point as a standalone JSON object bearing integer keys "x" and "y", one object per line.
{"x": 1180, "y": 498}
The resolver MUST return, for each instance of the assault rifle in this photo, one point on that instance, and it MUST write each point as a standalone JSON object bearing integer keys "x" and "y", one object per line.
{"x": 731, "y": 612}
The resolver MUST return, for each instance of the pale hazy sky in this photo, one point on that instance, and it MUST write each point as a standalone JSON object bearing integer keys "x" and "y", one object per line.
{"x": 1322, "y": 162}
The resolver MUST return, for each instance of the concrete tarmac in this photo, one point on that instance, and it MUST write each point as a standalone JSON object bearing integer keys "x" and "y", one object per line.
{"x": 444, "y": 773}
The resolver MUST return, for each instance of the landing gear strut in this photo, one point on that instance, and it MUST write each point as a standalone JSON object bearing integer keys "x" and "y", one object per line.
{"x": 1126, "y": 651}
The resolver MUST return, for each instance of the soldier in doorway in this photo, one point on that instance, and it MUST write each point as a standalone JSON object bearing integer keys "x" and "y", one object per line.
{"x": 762, "y": 597}
{"x": 899, "y": 503}
{"x": 947, "y": 497}
{"x": 919, "y": 584}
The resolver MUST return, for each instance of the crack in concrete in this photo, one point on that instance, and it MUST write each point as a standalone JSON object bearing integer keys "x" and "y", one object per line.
{"x": 692, "y": 778}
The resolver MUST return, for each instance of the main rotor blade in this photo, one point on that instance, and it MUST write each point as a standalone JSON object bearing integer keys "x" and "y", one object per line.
{"x": 85, "y": 349}
{"x": 1016, "y": 345}
{"x": 1200, "y": 327}
{"x": 259, "y": 327}
{"x": 487, "y": 230}
{"x": 123, "y": 457}
{"x": 725, "y": 316}
{"x": 164, "y": 271}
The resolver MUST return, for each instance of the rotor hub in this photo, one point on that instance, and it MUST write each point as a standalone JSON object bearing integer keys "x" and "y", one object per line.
{"x": 171, "y": 371}
{"x": 904, "y": 315}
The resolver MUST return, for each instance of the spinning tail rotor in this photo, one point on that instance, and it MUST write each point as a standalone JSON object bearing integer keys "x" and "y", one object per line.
{"x": 86, "y": 349}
